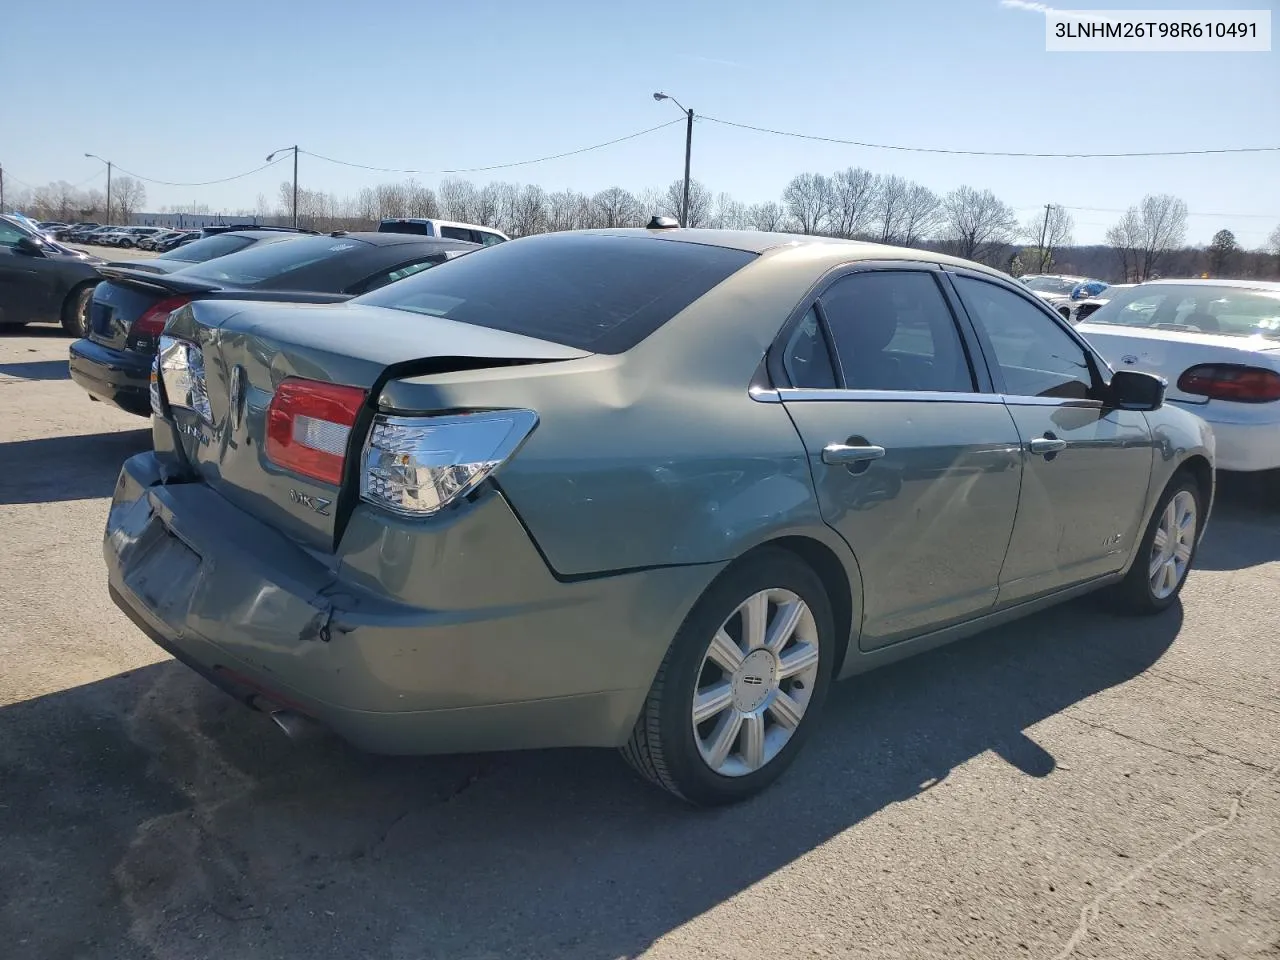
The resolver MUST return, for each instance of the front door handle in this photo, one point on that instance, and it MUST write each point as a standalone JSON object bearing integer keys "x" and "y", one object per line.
{"x": 844, "y": 454}
{"x": 1045, "y": 445}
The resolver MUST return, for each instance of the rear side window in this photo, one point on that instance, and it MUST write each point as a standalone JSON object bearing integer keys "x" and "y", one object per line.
{"x": 268, "y": 263}
{"x": 598, "y": 293}
{"x": 893, "y": 330}
{"x": 458, "y": 233}
{"x": 207, "y": 249}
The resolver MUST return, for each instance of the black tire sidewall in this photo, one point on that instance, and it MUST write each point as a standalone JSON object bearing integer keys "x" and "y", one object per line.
{"x": 75, "y": 310}
{"x": 766, "y": 570}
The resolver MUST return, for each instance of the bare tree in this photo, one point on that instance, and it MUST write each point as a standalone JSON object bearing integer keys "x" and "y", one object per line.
{"x": 976, "y": 223}
{"x": 129, "y": 194}
{"x": 808, "y": 200}
{"x": 921, "y": 212}
{"x": 489, "y": 203}
{"x": 1164, "y": 227}
{"x": 852, "y": 201}
{"x": 888, "y": 207}
{"x": 728, "y": 214}
{"x": 420, "y": 201}
{"x": 1273, "y": 242}
{"x": 699, "y": 202}
{"x": 458, "y": 200}
{"x": 768, "y": 216}
{"x": 565, "y": 209}
{"x": 529, "y": 212}
{"x": 1124, "y": 238}
{"x": 1047, "y": 232}
{"x": 614, "y": 207}
{"x": 392, "y": 199}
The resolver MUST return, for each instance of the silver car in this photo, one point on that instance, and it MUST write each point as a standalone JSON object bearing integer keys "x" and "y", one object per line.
{"x": 648, "y": 489}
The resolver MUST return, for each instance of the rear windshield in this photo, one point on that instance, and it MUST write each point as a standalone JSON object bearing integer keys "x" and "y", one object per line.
{"x": 1195, "y": 308}
{"x": 1050, "y": 284}
{"x": 407, "y": 226}
{"x": 264, "y": 263}
{"x": 599, "y": 293}
{"x": 201, "y": 250}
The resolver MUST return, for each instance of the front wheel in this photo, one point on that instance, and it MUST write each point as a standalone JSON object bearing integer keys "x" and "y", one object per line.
{"x": 1167, "y": 551}
{"x": 741, "y": 684}
{"x": 125, "y": 243}
{"x": 75, "y": 311}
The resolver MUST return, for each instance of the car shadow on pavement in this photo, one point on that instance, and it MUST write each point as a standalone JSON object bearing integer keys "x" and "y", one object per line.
{"x": 49, "y": 469}
{"x": 1245, "y": 505}
{"x": 161, "y": 812}
{"x": 37, "y": 370}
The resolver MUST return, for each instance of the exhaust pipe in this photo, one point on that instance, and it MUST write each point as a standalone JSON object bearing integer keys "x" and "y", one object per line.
{"x": 295, "y": 726}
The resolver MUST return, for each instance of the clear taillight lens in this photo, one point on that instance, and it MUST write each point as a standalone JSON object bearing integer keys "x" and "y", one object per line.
{"x": 181, "y": 368}
{"x": 415, "y": 466}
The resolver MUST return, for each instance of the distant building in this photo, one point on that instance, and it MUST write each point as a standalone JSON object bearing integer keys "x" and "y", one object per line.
{"x": 193, "y": 221}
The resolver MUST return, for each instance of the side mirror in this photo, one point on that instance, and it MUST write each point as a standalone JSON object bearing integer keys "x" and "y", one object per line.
{"x": 29, "y": 247}
{"x": 1131, "y": 390}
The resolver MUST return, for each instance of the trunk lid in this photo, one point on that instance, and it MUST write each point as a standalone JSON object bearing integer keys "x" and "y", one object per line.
{"x": 125, "y": 295}
{"x": 248, "y": 348}
{"x": 1170, "y": 353}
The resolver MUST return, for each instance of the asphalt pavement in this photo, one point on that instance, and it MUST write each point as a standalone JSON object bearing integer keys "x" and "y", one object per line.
{"x": 1073, "y": 785}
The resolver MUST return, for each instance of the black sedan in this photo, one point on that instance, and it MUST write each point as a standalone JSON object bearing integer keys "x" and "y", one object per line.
{"x": 43, "y": 280}
{"x": 200, "y": 251}
{"x": 129, "y": 309}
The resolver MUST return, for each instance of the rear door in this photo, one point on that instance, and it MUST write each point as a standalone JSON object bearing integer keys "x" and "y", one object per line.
{"x": 914, "y": 457}
{"x": 1086, "y": 466}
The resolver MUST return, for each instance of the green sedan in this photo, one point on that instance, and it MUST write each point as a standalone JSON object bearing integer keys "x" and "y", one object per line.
{"x": 648, "y": 489}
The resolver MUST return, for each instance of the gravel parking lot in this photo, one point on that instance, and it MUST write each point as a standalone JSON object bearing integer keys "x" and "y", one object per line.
{"x": 1071, "y": 785}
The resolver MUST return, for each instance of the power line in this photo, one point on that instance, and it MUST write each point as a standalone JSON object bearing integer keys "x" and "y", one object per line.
{"x": 498, "y": 166}
{"x": 202, "y": 183}
{"x": 988, "y": 153}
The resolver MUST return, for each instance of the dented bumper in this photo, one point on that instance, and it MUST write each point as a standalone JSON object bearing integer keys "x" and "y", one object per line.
{"x": 416, "y": 637}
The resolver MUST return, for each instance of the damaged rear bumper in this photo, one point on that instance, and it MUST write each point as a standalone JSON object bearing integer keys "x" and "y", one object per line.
{"x": 439, "y": 637}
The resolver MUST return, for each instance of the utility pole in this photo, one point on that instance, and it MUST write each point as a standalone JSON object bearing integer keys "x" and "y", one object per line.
{"x": 271, "y": 156}
{"x": 94, "y": 156}
{"x": 688, "y": 151}
{"x": 1, "y": 188}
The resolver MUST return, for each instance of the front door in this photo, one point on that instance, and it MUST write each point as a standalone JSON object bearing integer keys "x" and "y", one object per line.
{"x": 26, "y": 281}
{"x": 914, "y": 466}
{"x": 1086, "y": 466}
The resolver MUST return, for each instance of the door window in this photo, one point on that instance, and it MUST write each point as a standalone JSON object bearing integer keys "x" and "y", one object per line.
{"x": 893, "y": 330}
{"x": 457, "y": 233}
{"x": 9, "y": 235}
{"x": 806, "y": 358}
{"x": 1036, "y": 356}
{"x": 398, "y": 273}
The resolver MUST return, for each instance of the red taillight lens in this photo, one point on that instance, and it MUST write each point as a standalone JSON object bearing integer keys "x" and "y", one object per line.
{"x": 1231, "y": 381}
{"x": 308, "y": 426}
{"x": 152, "y": 322}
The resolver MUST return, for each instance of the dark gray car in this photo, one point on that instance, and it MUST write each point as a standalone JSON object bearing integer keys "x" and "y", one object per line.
{"x": 643, "y": 489}
{"x": 41, "y": 280}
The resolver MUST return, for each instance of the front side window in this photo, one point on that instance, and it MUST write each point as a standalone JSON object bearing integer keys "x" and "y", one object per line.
{"x": 893, "y": 330}
{"x": 9, "y": 234}
{"x": 1036, "y": 357}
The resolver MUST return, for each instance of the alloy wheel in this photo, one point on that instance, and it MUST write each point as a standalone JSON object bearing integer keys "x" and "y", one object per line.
{"x": 1173, "y": 545}
{"x": 755, "y": 683}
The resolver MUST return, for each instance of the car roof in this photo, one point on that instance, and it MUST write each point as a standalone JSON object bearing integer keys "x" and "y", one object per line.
{"x": 399, "y": 239}
{"x": 1270, "y": 285}
{"x": 832, "y": 248}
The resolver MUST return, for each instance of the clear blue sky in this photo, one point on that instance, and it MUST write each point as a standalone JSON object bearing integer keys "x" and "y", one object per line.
{"x": 431, "y": 85}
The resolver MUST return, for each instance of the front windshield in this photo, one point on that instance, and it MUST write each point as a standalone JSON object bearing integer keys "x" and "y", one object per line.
{"x": 1195, "y": 308}
{"x": 1051, "y": 285}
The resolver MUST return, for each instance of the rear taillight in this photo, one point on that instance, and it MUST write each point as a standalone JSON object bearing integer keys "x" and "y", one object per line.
{"x": 308, "y": 426}
{"x": 1231, "y": 381}
{"x": 416, "y": 466}
{"x": 152, "y": 322}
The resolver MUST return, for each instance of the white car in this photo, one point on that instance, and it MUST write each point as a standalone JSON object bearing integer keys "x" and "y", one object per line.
{"x": 1054, "y": 289}
{"x": 1217, "y": 342}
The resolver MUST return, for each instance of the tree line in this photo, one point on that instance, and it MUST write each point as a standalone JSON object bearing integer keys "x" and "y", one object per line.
{"x": 1147, "y": 241}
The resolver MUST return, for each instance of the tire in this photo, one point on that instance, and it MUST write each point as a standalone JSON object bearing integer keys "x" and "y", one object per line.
{"x": 671, "y": 751}
{"x": 1140, "y": 593}
{"x": 75, "y": 310}
{"x": 127, "y": 244}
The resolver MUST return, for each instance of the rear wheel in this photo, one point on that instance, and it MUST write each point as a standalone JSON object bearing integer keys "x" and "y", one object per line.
{"x": 75, "y": 310}
{"x": 1166, "y": 553}
{"x": 741, "y": 684}
{"x": 124, "y": 243}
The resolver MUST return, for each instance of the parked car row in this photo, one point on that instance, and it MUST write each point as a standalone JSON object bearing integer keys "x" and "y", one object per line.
{"x": 1060, "y": 291}
{"x": 713, "y": 470}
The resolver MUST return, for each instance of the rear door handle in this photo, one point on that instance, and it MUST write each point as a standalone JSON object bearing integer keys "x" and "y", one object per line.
{"x": 1043, "y": 445}
{"x": 843, "y": 453}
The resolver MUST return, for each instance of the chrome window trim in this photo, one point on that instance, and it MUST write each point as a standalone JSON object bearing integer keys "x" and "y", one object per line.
{"x": 805, "y": 394}
{"x": 1016, "y": 400}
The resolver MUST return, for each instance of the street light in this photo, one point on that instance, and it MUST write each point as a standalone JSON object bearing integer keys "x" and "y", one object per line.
{"x": 688, "y": 148}
{"x": 271, "y": 156}
{"x": 94, "y": 156}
